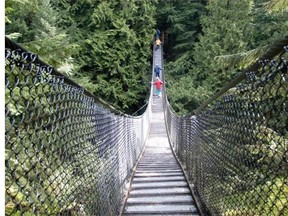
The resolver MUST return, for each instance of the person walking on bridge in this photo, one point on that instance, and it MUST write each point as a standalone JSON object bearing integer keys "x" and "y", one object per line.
{"x": 157, "y": 42}
{"x": 157, "y": 71}
{"x": 158, "y": 33}
{"x": 158, "y": 83}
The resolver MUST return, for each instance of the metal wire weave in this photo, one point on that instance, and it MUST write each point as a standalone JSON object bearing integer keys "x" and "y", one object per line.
{"x": 65, "y": 153}
{"x": 235, "y": 151}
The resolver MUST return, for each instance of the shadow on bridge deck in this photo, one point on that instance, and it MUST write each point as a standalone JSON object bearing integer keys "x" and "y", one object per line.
{"x": 159, "y": 186}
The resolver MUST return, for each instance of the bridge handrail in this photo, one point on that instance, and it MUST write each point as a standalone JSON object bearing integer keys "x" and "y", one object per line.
{"x": 274, "y": 49}
{"x": 67, "y": 152}
{"x": 14, "y": 46}
{"x": 234, "y": 148}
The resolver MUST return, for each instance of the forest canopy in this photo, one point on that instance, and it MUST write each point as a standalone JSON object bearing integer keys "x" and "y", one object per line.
{"x": 211, "y": 41}
{"x": 105, "y": 46}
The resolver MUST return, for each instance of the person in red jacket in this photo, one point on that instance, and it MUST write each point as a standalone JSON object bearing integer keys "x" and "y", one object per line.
{"x": 158, "y": 83}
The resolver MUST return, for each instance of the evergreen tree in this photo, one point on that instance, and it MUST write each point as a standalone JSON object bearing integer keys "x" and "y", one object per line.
{"x": 269, "y": 24}
{"x": 182, "y": 21}
{"x": 227, "y": 30}
{"x": 116, "y": 50}
{"x": 234, "y": 35}
{"x": 104, "y": 45}
{"x": 270, "y": 20}
{"x": 33, "y": 24}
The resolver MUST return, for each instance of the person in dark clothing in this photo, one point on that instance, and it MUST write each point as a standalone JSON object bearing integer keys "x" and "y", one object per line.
{"x": 158, "y": 33}
{"x": 157, "y": 71}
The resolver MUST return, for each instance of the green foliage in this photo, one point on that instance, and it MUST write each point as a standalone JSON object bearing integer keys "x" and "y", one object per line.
{"x": 270, "y": 21}
{"x": 120, "y": 44}
{"x": 183, "y": 95}
{"x": 34, "y": 25}
{"x": 115, "y": 53}
{"x": 106, "y": 46}
{"x": 182, "y": 22}
{"x": 103, "y": 43}
{"x": 272, "y": 200}
{"x": 222, "y": 38}
{"x": 44, "y": 159}
{"x": 225, "y": 32}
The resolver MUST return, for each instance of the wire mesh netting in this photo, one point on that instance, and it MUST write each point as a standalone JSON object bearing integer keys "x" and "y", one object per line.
{"x": 65, "y": 153}
{"x": 235, "y": 151}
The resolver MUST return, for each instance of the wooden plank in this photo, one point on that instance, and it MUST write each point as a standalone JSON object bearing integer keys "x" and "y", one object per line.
{"x": 157, "y": 174}
{"x": 160, "y": 200}
{"x": 160, "y": 208}
{"x": 158, "y": 185}
{"x": 158, "y": 179}
{"x": 162, "y": 191}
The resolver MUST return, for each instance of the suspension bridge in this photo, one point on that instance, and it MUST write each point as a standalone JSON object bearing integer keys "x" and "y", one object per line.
{"x": 70, "y": 153}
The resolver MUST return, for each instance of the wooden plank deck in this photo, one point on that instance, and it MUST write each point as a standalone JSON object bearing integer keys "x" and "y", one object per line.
{"x": 159, "y": 186}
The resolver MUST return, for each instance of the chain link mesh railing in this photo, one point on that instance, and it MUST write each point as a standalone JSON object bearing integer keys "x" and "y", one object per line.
{"x": 65, "y": 153}
{"x": 235, "y": 151}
